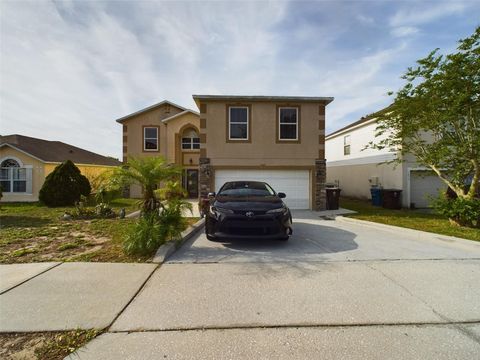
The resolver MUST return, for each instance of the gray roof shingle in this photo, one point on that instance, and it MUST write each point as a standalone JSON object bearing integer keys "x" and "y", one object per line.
{"x": 56, "y": 151}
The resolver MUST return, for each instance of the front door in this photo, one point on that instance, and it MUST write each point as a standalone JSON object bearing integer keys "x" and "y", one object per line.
{"x": 191, "y": 184}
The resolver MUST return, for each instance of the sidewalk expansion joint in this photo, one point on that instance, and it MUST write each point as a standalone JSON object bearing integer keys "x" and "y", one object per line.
{"x": 305, "y": 326}
{"x": 307, "y": 261}
{"x": 458, "y": 326}
{"x": 140, "y": 289}
{"x": 30, "y": 278}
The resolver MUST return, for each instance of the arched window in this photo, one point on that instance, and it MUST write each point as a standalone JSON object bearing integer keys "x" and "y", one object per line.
{"x": 9, "y": 163}
{"x": 190, "y": 140}
{"x": 13, "y": 178}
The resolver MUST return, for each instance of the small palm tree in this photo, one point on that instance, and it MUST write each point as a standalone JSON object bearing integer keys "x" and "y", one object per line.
{"x": 147, "y": 172}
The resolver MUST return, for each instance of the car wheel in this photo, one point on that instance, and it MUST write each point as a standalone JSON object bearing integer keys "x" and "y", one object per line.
{"x": 211, "y": 238}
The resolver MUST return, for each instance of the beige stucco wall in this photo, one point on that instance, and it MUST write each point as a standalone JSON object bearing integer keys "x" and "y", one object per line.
{"x": 175, "y": 128}
{"x": 38, "y": 174}
{"x": 169, "y": 138}
{"x": 263, "y": 150}
{"x": 90, "y": 171}
{"x": 134, "y": 133}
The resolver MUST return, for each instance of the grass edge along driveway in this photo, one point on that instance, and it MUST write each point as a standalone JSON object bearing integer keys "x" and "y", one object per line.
{"x": 412, "y": 219}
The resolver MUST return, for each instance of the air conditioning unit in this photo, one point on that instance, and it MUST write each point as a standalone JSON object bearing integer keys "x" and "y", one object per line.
{"x": 374, "y": 181}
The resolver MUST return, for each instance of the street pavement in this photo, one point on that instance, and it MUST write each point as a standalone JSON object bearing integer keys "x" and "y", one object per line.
{"x": 335, "y": 290}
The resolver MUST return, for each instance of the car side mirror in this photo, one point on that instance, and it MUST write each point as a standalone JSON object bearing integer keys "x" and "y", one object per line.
{"x": 281, "y": 195}
{"x": 211, "y": 194}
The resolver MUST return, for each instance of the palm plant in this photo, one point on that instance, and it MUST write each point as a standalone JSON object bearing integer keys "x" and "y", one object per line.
{"x": 147, "y": 172}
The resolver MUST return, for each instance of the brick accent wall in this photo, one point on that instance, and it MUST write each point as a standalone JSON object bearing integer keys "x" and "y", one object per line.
{"x": 205, "y": 177}
{"x": 320, "y": 179}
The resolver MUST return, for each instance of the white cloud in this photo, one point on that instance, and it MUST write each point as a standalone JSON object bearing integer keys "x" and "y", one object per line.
{"x": 69, "y": 69}
{"x": 419, "y": 13}
{"x": 403, "y": 31}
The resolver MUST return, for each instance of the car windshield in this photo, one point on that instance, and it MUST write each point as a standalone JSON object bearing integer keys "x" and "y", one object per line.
{"x": 246, "y": 188}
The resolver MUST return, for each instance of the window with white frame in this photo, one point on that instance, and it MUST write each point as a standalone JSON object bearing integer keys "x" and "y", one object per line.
{"x": 346, "y": 145}
{"x": 13, "y": 178}
{"x": 150, "y": 138}
{"x": 238, "y": 123}
{"x": 190, "y": 140}
{"x": 288, "y": 123}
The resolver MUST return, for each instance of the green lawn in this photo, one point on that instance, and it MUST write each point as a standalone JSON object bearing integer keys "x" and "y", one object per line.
{"x": 413, "y": 219}
{"x": 36, "y": 233}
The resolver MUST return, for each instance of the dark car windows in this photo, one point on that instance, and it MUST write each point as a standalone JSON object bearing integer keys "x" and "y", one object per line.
{"x": 246, "y": 188}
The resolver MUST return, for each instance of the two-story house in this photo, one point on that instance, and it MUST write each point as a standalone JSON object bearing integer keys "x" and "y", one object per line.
{"x": 165, "y": 129}
{"x": 356, "y": 168}
{"x": 276, "y": 139}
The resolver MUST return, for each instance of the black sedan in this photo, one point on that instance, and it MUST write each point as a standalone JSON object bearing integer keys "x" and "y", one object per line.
{"x": 247, "y": 209}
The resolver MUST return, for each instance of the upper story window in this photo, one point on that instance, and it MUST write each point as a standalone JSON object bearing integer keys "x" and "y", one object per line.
{"x": 190, "y": 140}
{"x": 150, "y": 138}
{"x": 346, "y": 145}
{"x": 288, "y": 123}
{"x": 13, "y": 178}
{"x": 238, "y": 123}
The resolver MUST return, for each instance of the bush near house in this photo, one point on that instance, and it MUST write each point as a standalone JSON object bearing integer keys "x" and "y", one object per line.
{"x": 64, "y": 186}
{"x": 463, "y": 212}
{"x": 161, "y": 218}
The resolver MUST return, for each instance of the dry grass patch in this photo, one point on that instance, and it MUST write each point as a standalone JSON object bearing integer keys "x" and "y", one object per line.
{"x": 43, "y": 345}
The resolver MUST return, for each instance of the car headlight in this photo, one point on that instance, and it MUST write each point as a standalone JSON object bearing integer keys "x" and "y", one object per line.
{"x": 216, "y": 211}
{"x": 282, "y": 210}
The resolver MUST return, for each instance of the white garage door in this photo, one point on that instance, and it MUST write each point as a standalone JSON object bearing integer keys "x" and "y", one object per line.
{"x": 423, "y": 185}
{"x": 294, "y": 183}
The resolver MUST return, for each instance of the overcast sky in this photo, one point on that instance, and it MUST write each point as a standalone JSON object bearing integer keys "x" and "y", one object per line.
{"x": 69, "y": 69}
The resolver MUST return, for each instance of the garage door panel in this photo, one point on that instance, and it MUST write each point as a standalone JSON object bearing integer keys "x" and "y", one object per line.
{"x": 294, "y": 183}
{"x": 423, "y": 186}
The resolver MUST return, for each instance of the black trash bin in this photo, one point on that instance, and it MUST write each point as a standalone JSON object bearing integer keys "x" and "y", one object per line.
{"x": 392, "y": 199}
{"x": 333, "y": 197}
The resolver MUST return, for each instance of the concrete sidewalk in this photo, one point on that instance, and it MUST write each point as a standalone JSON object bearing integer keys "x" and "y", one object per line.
{"x": 12, "y": 275}
{"x": 355, "y": 343}
{"x": 71, "y": 296}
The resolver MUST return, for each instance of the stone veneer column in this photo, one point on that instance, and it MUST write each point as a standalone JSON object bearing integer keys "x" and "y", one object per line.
{"x": 205, "y": 175}
{"x": 320, "y": 179}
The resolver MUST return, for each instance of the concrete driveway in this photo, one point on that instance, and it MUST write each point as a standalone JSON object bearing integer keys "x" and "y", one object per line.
{"x": 335, "y": 290}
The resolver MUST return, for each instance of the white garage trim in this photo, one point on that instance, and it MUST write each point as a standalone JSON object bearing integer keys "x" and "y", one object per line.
{"x": 409, "y": 181}
{"x": 296, "y": 183}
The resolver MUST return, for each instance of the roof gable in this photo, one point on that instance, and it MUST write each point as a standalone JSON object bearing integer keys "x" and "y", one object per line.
{"x": 149, "y": 108}
{"x": 173, "y": 117}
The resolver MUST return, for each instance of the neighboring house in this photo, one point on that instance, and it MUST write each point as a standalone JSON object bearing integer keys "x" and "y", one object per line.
{"x": 165, "y": 129}
{"x": 356, "y": 169}
{"x": 26, "y": 161}
{"x": 276, "y": 139}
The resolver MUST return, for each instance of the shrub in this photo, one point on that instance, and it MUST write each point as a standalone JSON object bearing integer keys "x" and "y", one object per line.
{"x": 464, "y": 212}
{"x": 64, "y": 186}
{"x": 155, "y": 227}
{"x": 144, "y": 238}
{"x": 171, "y": 219}
{"x": 172, "y": 190}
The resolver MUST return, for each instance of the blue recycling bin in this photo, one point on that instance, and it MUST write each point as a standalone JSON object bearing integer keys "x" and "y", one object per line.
{"x": 376, "y": 196}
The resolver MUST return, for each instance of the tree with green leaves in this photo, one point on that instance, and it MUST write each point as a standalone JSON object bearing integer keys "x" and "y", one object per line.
{"x": 64, "y": 186}
{"x": 148, "y": 172}
{"x": 436, "y": 117}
